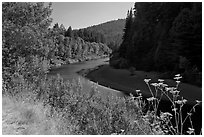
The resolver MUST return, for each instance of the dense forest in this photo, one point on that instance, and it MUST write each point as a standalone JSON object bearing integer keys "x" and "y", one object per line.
{"x": 30, "y": 45}
{"x": 109, "y": 33}
{"x": 164, "y": 37}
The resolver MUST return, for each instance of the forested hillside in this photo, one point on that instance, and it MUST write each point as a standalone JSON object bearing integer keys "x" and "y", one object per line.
{"x": 69, "y": 47}
{"x": 109, "y": 33}
{"x": 164, "y": 37}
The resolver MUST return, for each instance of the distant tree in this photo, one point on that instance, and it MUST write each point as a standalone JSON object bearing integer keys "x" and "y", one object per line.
{"x": 56, "y": 26}
{"x": 124, "y": 50}
{"x": 62, "y": 29}
{"x": 103, "y": 33}
{"x": 68, "y": 33}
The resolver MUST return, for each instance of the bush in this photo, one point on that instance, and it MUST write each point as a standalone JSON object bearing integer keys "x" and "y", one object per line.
{"x": 83, "y": 112}
{"x": 89, "y": 113}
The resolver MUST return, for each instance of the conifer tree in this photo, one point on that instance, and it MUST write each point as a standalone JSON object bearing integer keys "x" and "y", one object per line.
{"x": 68, "y": 33}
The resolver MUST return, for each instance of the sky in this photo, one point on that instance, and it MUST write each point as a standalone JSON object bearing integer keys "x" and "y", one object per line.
{"x": 85, "y": 14}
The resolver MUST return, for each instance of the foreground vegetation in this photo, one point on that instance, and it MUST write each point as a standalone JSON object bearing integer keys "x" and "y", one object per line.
{"x": 70, "y": 110}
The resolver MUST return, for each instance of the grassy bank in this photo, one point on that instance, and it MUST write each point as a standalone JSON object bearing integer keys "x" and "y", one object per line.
{"x": 55, "y": 106}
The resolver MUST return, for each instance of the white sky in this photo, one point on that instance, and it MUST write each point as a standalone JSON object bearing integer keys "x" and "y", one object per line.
{"x": 84, "y": 14}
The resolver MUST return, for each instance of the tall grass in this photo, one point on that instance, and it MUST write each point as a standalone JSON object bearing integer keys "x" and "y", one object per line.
{"x": 54, "y": 106}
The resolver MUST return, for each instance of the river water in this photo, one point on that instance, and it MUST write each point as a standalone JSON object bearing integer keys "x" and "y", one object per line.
{"x": 69, "y": 72}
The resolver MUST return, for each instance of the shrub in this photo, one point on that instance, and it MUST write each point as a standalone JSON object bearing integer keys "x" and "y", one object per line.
{"x": 89, "y": 113}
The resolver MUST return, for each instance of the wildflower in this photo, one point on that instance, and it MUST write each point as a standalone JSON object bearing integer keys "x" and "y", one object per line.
{"x": 177, "y": 78}
{"x": 174, "y": 92}
{"x": 198, "y": 102}
{"x": 154, "y": 84}
{"x": 184, "y": 101}
{"x": 151, "y": 99}
{"x": 147, "y": 80}
{"x": 179, "y": 102}
{"x": 164, "y": 85}
{"x": 178, "y": 82}
{"x": 190, "y": 131}
{"x": 169, "y": 88}
{"x": 137, "y": 91}
{"x": 160, "y": 80}
{"x": 174, "y": 109}
{"x": 122, "y": 130}
{"x": 177, "y": 75}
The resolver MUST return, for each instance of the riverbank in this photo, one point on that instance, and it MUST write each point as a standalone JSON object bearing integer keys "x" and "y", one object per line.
{"x": 57, "y": 63}
{"x": 120, "y": 79}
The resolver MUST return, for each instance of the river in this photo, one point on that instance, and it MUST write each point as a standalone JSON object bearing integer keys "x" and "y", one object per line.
{"x": 69, "y": 72}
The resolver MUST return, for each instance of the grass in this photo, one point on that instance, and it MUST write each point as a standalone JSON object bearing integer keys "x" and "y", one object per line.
{"x": 27, "y": 118}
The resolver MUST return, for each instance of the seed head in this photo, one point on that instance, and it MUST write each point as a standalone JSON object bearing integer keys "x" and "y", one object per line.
{"x": 198, "y": 102}
{"x": 147, "y": 80}
{"x": 160, "y": 80}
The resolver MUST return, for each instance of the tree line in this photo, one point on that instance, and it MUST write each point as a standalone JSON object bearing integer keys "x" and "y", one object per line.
{"x": 162, "y": 36}
{"x": 70, "y": 45}
{"x": 109, "y": 33}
